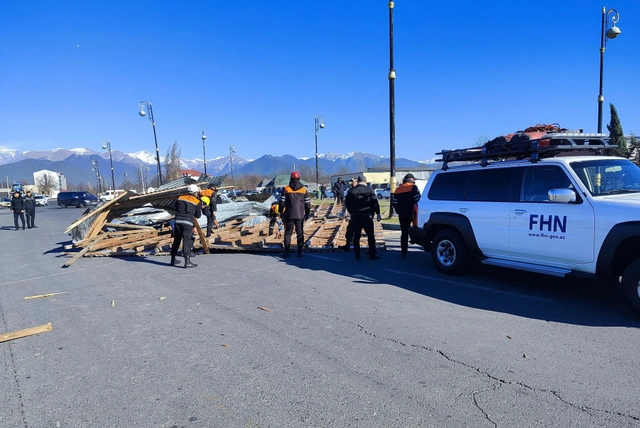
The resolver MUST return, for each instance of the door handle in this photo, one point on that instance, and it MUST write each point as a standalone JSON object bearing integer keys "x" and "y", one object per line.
{"x": 520, "y": 212}
{"x": 463, "y": 210}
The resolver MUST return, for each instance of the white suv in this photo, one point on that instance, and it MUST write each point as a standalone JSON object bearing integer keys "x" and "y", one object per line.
{"x": 558, "y": 215}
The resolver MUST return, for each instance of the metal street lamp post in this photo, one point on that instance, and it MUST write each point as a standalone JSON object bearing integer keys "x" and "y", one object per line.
{"x": 96, "y": 168}
{"x": 147, "y": 105}
{"x": 204, "y": 156}
{"x": 392, "y": 113}
{"x": 606, "y": 33}
{"x": 319, "y": 123}
{"x": 107, "y": 145}
{"x": 232, "y": 150}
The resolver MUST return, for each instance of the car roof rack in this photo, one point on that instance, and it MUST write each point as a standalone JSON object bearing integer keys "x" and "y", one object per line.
{"x": 548, "y": 145}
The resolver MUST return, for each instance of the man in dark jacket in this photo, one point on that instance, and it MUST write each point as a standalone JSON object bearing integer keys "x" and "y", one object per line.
{"x": 30, "y": 209}
{"x": 405, "y": 199}
{"x": 295, "y": 205}
{"x": 338, "y": 190}
{"x": 187, "y": 207}
{"x": 348, "y": 236}
{"x": 362, "y": 205}
{"x": 17, "y": 208}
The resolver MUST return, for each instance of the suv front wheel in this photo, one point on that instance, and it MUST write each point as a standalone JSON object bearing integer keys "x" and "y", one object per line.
{"x": 631, "y": 285}
{"x": 449, "y": 252}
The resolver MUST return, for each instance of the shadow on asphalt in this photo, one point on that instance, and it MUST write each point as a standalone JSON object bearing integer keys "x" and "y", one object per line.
{"x": 567, "y": 300}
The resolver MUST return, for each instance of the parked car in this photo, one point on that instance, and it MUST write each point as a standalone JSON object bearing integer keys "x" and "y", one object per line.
{"x": 383, "y": 193}
{"x": 76, "y": 199}
{"x": 41, "y": 200}
{"x": 111, "y": 194}
{"x": 5, "y": 202}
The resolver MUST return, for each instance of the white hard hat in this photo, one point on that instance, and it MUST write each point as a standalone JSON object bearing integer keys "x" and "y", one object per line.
{"x": 193, "y": 188}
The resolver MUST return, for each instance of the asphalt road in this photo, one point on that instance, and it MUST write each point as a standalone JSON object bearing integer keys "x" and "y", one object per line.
{"x": 339, "y": 343}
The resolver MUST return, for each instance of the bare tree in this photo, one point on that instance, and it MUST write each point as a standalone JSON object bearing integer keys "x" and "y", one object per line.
{"x": 46, "y": 183}
{"x": 172, "y": 162}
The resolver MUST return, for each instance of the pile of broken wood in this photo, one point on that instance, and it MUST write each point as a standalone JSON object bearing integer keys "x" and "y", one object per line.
{"x": 140, "y": 225}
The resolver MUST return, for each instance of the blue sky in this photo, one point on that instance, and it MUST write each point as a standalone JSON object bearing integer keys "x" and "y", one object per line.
{"x": 255, "y": 73}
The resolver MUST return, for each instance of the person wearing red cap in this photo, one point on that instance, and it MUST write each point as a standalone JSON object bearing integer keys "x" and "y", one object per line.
{"x": 295, "y": 206}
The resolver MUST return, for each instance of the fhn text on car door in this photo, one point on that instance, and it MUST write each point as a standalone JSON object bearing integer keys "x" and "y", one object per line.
{"x": 552, "y": 222}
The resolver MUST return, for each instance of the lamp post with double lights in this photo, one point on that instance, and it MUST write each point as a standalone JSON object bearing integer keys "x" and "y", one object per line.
{"x": 606, "y": 33}
{"x": 204, "y": 155}
{"x": 319, "y": 124}
{"x": 107, "y": 145}
{"x": 96, "y": 168}
{"x": 147, "y": 105}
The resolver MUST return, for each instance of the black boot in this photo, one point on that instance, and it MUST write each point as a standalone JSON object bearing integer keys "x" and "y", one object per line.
{"x": 188, "y": 263}
{"x": 174, "y": 262}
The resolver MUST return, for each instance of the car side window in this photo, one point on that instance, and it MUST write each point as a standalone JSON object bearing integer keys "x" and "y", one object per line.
{"x": 491, "y": 185}
{"x": 449, "y": 186}
{"x": 537, "y": 182}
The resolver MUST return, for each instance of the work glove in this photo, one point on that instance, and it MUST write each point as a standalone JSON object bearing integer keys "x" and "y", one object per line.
{"x": 379, "y": 217}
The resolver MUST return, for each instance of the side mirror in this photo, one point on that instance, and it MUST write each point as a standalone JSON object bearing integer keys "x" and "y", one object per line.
{"x": 562, "y": 196}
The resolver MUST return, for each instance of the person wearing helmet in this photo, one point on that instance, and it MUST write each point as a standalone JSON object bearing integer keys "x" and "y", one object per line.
{"x": 209, "y": 207}
{"x": 187, "y": 208}
{"x": 404, "y": 200}
{"x": 295, "y": 205}
{"x": 17, "y": 208}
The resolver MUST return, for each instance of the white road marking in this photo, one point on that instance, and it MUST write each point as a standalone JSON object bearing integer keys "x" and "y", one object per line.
{"x": 476, "y": 287}
{"x": 323, "y": 257}
{"x": 366, "y": 278}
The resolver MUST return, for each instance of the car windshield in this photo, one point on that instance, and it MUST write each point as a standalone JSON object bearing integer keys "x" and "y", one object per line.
{"x": 608, "y": 176}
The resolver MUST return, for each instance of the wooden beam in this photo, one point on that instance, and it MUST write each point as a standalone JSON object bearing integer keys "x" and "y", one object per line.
{"x": 203, "y": 240}
{"x": 26, "y": 332}
{"x": 84, "y": 250}
{"x": 124, "y": 196}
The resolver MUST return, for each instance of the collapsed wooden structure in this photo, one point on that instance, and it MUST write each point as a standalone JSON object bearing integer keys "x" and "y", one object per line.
{"x": 140, "y": 225}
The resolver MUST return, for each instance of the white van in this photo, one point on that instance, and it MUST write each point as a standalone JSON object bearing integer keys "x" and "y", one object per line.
{"x": 111, "y": 194}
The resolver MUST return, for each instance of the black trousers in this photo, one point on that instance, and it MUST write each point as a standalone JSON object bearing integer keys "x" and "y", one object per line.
{"x": 405, "y": 224}
{"x": 348, "y": 235}
{"x": 184, "y": 233}
{"x": 31, "y": 217}
{"x": 16, "y": 215}
{"x": 365, "y": 223}
{"x": 289, "y": 225}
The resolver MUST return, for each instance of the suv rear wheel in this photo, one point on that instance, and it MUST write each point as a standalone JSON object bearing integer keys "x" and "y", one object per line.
{"x": 631, "y": 285}
{"x": 449, "y": 252}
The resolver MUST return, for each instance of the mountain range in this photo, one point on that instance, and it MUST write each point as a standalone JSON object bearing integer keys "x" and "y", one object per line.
{"x": 78, "y": 164}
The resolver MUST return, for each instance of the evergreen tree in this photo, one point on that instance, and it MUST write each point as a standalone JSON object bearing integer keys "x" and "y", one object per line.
{"x": 617, "y": 136}
{"x": 634, "y": 150}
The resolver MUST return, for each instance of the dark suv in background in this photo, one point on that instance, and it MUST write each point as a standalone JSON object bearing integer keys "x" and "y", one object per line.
{"x": 76, "y": 199}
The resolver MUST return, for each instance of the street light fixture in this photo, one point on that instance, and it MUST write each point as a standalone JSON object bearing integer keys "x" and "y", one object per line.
{"x": 204, "y": 156}
{"x": 319, "y": 122}
{"x": 107, "y": 145}
{"x": 147, "y": 105}
{"x": 606, "y": 33}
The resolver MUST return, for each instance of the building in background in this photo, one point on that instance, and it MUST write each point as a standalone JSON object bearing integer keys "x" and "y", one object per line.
{"x": 58, "y": 180}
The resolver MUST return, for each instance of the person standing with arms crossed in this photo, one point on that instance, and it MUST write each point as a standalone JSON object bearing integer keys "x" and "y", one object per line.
{"x": 187, "y": 207}
{"x": 405, "y": 198}
{"x": 362, "y": 205}
{"x": 295, "y": 205}
{"x": 30, "y": 209}
{"x": 17, "y": 208}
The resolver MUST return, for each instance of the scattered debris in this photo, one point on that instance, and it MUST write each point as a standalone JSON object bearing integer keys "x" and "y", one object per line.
{"x": 113, "y": 303}
{"x": 163, "y": 297}
{"x": 224, "y": 344}
{"x": 141, "y": 225}
{"x": 508, "y": 337}
{"x": 264, "y": 309}
{"x": 26, "y": 332}
{"x": 524, "y": 356}
{"x": 40, "y": 296}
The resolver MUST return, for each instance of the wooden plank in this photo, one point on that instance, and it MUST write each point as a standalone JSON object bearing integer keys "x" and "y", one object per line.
{"x": 97, "y": 225}
{"x": 40, "y": 296}
{"x": 128, "y": 226}
{"x": 26, "y": 332}
{"x": 203, "y": 240}
{"x": 84, "y": 250}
